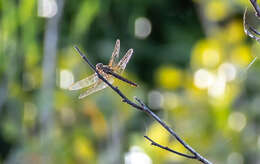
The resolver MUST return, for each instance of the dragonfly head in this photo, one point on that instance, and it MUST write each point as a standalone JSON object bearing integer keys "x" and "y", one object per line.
{"x": 99, "y": 66}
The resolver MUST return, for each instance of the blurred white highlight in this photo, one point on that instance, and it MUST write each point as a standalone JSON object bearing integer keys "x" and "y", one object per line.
{"x": 237, "y": 121}
{"x": 216, "y": 84}
{"x": 47, "y": 8}
{"x": 155, "y": 99}
{"x": 218, "y": 87}
{"x": 66, "y": 78}
{"x": 228, "y": 71}
{"x": 137, "y": 156}
{"x": 143, "y": 27}
{"x": 171, "y": 100}
{"x": 203, "y": 78}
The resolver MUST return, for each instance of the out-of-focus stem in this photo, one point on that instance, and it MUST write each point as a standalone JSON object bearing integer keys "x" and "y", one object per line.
{"x": 48, "y": 81}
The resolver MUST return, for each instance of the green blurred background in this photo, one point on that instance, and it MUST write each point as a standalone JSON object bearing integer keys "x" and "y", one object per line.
{"x": 190, "y": 60}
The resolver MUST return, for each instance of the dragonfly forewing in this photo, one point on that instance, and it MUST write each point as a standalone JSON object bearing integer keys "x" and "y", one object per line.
{"x": 84, "y": 82}
{"x": 115, "y": 53}
{"x": 113, "y": 69}
{"x": 123, "y": 62}
{"x": 99, "y": 86}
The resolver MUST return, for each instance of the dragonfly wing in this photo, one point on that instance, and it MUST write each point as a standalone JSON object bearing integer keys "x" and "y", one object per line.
{"x": 115, "y": 53}
{"x": 99, "y": 86}
{"x": 122, "y": 63}
{"x": 84, "y": 82}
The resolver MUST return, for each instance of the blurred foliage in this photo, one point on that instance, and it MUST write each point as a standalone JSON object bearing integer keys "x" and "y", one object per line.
{"x": 191, "y": 69}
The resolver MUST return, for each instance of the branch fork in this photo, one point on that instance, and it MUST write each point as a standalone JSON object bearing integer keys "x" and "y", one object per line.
{"x": 141, "y": 106}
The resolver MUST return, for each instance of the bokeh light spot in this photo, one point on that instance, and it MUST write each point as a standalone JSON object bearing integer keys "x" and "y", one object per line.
{"x": 203, "y": 78}
{"x": 155, "y": 99}
{"x": 241, "y": 56}
{"x": 210, "y": 57}
{"x": 143, "y": 27}
{"x": 47, "y": 8}
{"x": 66, "y": 78}
{"x": 228, "y": 71}
{"x": 218, "y": 87}
{"x": 216, "y": 10}
{"x": 207, "y": 53}
{"x": 237, "y": 121}
{"x": 171, "y": 100}
{"x": 235, "y": 30}
{"x": 137, "y": 156}
{"x": 83, "y": 148}
{"x": 168, "y": 77}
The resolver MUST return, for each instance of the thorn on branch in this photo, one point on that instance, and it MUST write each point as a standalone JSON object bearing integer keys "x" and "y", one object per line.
{"x": 140, "y": 102}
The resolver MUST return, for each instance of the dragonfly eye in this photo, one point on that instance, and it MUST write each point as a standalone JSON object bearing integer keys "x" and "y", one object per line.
{"x": 99, "y": 66}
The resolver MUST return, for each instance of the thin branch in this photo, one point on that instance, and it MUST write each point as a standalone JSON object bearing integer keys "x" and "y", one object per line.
{"x": 256, "y": 7}
{"x": 250, "y": 31}
{"x": 168, "y": 149}
{"x": 254, "y": 30}
{"x": 170, "y": 130}
{"x": 250, "y": 64}
{"x": 125, "y": 99}
{"x": 144, "y": 108}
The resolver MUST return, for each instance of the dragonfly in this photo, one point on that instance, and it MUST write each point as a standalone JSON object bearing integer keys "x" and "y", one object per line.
{"x": 109, "y": 72}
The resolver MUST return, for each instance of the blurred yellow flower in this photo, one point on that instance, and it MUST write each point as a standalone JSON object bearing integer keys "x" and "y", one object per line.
{"x": 158, "y": 134}
{"x": 241, "y": 55}
{"x": 169, "y": 77}
{"x": 206, "y": 53}
{"x": 235, "y": 32}
{"x": 84, "y": 149}
{"x": 216, "y": 10}
{"x": 175, "y": 145}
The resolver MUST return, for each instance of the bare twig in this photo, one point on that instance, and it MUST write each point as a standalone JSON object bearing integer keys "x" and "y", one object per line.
{"x": 188, "y": 147}
{"x": 144, "y": 108}
{"x": 256, "y": 7}
{"x": 250, "y": 31}
{"x": 254, "y": 30}
{"x": 168, "y": 149}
